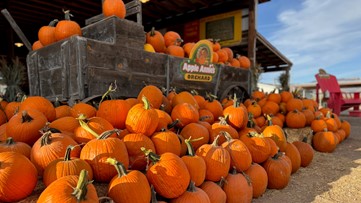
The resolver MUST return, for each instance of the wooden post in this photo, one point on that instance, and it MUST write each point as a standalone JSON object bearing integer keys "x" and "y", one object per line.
{"x": 252, "y": 42}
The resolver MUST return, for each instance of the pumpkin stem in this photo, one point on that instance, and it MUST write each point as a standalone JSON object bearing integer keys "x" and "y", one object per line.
{"x": 110, "y": 90}
{"x": 67, "y": 152}
{"x": 250, "y": 123}
{"x": 81, "y": 188}
{"x": 191, "y": 187}
{"x": 249, "y": 181}
{"x": 210, "y": 97}
{"x": 152, "y": 32}
{"x": 173, "y": 124}
{"x": 9, "y": 141}
{"x": 215, "y": 142}
{"x": 234, "y": 170}
{"x": 150, "y": 155}
{"x": 106, "y": 199}
{"x": 107, "y": 133}
{"x": 85, "y": 126}
{"x": 45, "y": 139}
{"x": 228, "y": 137}
{"x": 122, "y": 171}
{"x": 188, "y": 141}
{"x": 52, "y": 24}
{"x": 269, "y": 120}
{"x": 223, "y": 120}
{"x": 146, "y": 103}
{"x": 67, "y": 14}
{"x": 278, "y": 155}
{"x": 25, "y": 117}
{"x": 235, "y": 101}
{"x": 222, "y": 182}
{"x": 202, "y": 118}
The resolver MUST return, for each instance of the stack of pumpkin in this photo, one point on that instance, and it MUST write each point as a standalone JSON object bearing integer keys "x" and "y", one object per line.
{"x": 172, "y": 43}
{"x": 187, "y": 147}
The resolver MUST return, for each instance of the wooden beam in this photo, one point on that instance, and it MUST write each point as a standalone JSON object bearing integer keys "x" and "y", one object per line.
{"x": 252, "y": 42}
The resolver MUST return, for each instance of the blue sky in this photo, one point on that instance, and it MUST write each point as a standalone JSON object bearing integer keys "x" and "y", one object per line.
{"x": 313, "y": 34}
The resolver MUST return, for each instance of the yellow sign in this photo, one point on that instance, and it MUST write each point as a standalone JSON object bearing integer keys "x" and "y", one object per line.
{"x": 198, "y": 77}
{"x": 202, "y": 52}
{"x": 226, "y": 27}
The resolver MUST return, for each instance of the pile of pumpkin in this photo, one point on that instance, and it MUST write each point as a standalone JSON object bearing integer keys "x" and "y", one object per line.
{"x": 172, "y": 43}
{"x": 189, "y": 148}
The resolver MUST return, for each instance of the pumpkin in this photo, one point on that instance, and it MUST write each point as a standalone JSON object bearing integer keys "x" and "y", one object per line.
{"x": 156, "y": 39}
{"x": 41, "y": 104}
{"x": 196, "y": 130}
{"x": 172, "y": 38}
{"x": 114, "y": 7}
{"x": 11, "y": 109}
{"x": 195, "y": 164}
{"x": 222, "y": 56}
{"x": 238, "y": 188}
{"x": 153, "y": 94}
{"x": 114, "y": 111}
{"x": 276, "y": 133}
{"x": 184, "y": 97}
{"x": 235, "y": 63}
{"x": 192, "y": 194}
{"x": 67, "y": 28}
{"x": 65, "y": 166}
{"x": 241, "y": 157}
{"x": 206, "y": 116}
{"x": 217, "y": 160}
{"x": 96, "y": 152}
{"x": 25, "y": 126}
{"x": 46, "y": 34}
{"x": 3, "y": 135}
{"x": 167, "y": 173}
{"x": 275, "y": 97}
{"x": 214, "y": 192}
{"x": 166, "y": 141}
{"x": 11, "y": 145}
{"x": 258, "y": 95}
{"x": 66, "y": 124}
{"x": 237, "y": 115}
{"x": 142, "y": 118}
{"x": 346, "y": 126}
{"x": 293, "y": 104}
{"x": 286, "y": 96}
{"x": 133, "y": 142}
{"x": 258, "y": 176}
{"x": 187, "y": 47}
{"x": 89, "y": 129}
{"x": 83, "y": 108}
{"x": 185, "y": 113}
{"x": 294, "y": 155}
{"x": 214, "y": 106}
{"x": 72, "y": 188}
{"x": 220, "y": 126}
{"x": 309, "y": 115}
{"x": 258, "y": 146}
{"x": 175, "y": 50}
{"x": 278, "y": 171}
{"x": 149, "y": 48}
{"x": 318, "y": 124}
{"x": 49, "y": 147}
{"x": 164, "y": 120}
{"x": 244, "y": 62}
{"x": 131, "y": 186}
{"x": 324, "y": 141}
{"x": 270, "y": 107}
{"x": 255, "y": 109}
{"x": 305, "y": 150}
{"x": 295, "y": 119}
{"x": 36, "y": 45}
{"x": 62, "y": 111}
{"x": 18, "y": 177}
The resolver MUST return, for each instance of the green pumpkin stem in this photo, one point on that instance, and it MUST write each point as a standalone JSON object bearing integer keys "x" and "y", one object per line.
{"x": 269, "y": 120}
{"x": 150, "y": 155}
{"x": 9, "y": 141}
{"x": 85, "y": 126}
{"x": 190, "y": 148}
{"x": 107, "y": 133}
{"x": 25, "y": 117}
{"x": 173, "y": 124}
{"x": 223, "y": 120}
{"x": 45, "y": 139}
{"x": 110, "y": 90}
{"x": 81, "y": 188}
{"x": 146, "y": 103}
{"x": 235, "y": 101}
{"x": 122, "y": 171}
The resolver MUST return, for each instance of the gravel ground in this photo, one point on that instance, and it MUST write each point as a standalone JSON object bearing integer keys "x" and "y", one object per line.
{"x": 331, "y": 177}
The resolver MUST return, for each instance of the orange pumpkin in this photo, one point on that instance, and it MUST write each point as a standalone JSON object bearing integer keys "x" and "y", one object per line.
{"x": 172, "y": 38}
{"x": 46, "y": 34}
{"x": 114, "y": 7}
{"x": 156, "y": 39}
{"x": 67, "y": 28}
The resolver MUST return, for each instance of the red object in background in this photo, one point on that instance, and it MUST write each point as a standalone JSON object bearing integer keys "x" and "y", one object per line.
{"x": 191, "y": 32}
{"x": 336, "y": 101}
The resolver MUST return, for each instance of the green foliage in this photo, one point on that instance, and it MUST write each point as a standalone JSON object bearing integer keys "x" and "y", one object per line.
{"x": 13, "y": 75}
{"x": 284, "y": 81}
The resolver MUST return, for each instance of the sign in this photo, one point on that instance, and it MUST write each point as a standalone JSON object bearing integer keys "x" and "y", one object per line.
{"x": 191, "y": 31}
{"x": 226, "y": 27}
{"x": 199, "y": 67}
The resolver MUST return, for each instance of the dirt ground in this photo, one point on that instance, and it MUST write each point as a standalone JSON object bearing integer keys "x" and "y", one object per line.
{"x": 331, "y": 177}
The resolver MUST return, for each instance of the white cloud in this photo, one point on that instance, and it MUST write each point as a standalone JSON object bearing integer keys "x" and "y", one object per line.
{"x": 325, "y": 34}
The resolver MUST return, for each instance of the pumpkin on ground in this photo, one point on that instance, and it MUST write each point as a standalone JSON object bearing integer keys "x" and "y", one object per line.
{"x": 11, "y": 145}
{"x": 192, "y": 194}
{"x": 15, "y": 171}
{"x": 278, "y": 171}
